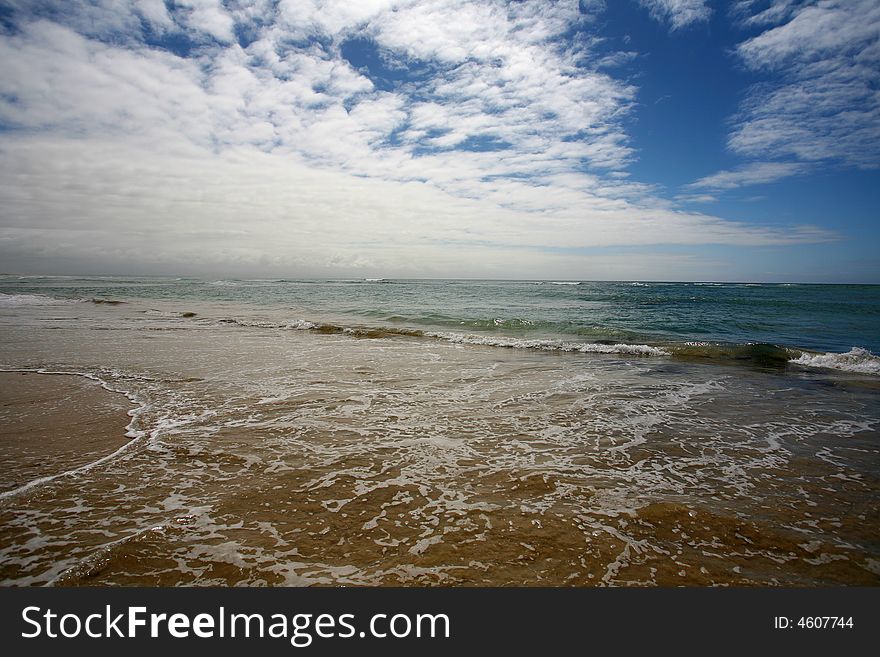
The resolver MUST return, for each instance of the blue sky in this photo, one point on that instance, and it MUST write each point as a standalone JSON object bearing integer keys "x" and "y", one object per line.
{"x": 635, "y": 139}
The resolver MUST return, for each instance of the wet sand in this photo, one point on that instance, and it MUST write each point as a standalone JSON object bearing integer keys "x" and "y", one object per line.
{"x": 50, "y": 424}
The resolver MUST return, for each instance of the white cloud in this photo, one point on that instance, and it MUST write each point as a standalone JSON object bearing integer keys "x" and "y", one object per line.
{"x": 830, "y": 28}
{"x": 678, "y": 13}
{"x": 696, "y": 198}
{"x": 302, "y": 18}
{"x": 155, "y": 13}
{"x": 750, "y": 13}
{"x": 209, "y": 17}
{"x": 820, "y": 105}
{"x": 823, "y": 102}
{"x": 756, "y": 173}
{"x": 55, "y": 79}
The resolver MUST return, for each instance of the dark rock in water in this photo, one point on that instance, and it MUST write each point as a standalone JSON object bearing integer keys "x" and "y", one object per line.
{"x": 328, "y": 328}
{"x": 188, "y": 314}
{"x": 109, "y": 302}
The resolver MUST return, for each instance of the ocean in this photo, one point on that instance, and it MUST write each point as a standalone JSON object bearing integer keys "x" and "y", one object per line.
{"x": 451, "y": 432}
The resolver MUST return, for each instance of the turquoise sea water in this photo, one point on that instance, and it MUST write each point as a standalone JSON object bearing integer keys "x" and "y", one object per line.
{"x": 765, "y": 323}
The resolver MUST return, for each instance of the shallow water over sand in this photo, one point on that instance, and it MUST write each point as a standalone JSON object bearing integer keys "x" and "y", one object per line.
{"x": 268, "y": 455}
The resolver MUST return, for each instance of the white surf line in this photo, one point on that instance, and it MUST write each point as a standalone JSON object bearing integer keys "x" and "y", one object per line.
{"x": 621, "y": 349}
{"x": 130, "y": 432}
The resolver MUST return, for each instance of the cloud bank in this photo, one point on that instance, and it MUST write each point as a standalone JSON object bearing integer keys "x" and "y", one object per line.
{"x": 305, "y": 137}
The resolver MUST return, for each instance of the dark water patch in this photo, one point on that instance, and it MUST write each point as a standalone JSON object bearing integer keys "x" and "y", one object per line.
{"x": 762, "y": 355}
{"x": 384, "y": 332}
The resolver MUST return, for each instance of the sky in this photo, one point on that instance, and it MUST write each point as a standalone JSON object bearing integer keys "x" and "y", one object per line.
{"x": 590, "y": 139}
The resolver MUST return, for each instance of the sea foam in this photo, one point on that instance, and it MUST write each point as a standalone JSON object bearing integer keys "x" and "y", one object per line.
{"x": 16, "y": 300}
{"x": 301, "y": 325}
{"x": 856, "y": 360}
{"x": 551, "y": 345}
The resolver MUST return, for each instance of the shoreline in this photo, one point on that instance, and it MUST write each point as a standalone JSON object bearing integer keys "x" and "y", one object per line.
{"x": 271, "y": 457}
{"x": 53, "y": 424}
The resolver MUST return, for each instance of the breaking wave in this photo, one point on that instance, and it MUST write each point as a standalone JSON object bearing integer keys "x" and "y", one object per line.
{"x": 856, "y": 360}
{"x": 760, "y": 354}
{"x": 301, "y": 325}
{"x": 552, "y": 345}
{"x": 16, "y": 300}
